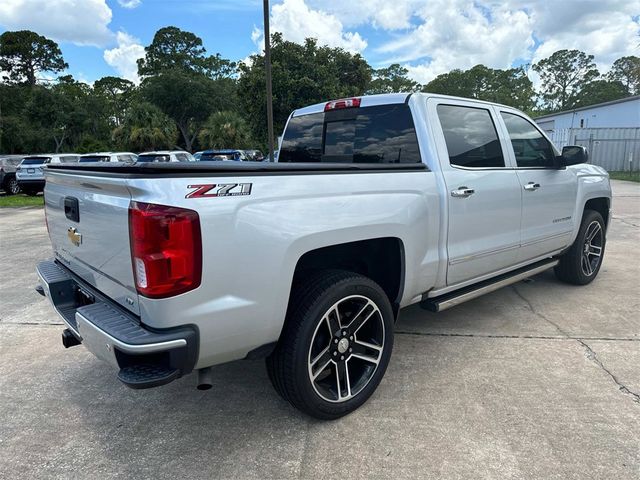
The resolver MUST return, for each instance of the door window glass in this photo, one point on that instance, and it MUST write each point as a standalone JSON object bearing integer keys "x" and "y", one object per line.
{"x": 471, "y": 137}
{"x": 529, "y": 146}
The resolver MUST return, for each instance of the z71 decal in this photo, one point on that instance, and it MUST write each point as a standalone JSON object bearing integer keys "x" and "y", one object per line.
{"x": 219, "y": 190}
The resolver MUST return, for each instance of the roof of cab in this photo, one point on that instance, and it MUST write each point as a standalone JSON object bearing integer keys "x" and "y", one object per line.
{"x": 386, "y": 99}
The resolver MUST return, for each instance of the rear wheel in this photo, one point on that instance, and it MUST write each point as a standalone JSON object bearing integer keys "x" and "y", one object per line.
{"x": 335, "y": 346}
{"x": 11, "y": 186}
{"x": 581, "y": 263}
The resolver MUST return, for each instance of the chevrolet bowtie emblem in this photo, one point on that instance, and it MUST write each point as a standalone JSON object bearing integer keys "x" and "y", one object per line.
{"x": 74, "y": 236}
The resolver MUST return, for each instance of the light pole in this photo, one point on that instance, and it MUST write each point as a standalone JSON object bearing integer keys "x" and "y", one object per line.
{"x": 267, "y": 69}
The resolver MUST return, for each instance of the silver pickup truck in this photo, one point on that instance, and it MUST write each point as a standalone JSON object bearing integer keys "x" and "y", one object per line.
{"x": 375, "y": 203}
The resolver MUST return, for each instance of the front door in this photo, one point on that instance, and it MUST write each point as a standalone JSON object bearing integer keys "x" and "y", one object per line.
{"x": 483, "y": 194}
{"x": 548, "y": 193}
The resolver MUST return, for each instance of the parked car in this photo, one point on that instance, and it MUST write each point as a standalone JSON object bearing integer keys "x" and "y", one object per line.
{"x": 197, "y": 155}
{"x": 254, "y": 155}
{"x": 223, "y": 155}
{"x": 30, "y": 172}
{"x": 124, "y": 157}
{"x": 8, "y": 180}
{"x": 166, "y": 156}
{"x": 376, "y": 203}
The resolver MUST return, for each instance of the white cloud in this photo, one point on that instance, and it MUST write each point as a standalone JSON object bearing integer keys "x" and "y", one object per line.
{"x": 448, "y": 34}
{"x": 460, "y": 34}
{"x": 123, "y": 57}
{"x": 382, "y": 14}
{"x": 605, "y": 29}
{"x": 129, "y": 3}
{"x": 297, "y": 21}
{"x": 83, "y": 22}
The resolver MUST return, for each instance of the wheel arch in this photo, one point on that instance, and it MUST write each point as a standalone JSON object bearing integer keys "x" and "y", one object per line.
{"x": 380, "y": 259}
{"x": 600, "y": 205}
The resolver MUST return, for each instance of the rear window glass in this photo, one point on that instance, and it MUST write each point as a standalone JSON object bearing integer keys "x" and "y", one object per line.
{"x": 68, "y": 159}
{"x": 94, "y": 158}
{"x": 379, "y": 134}
{"x": 35, "y": 160}
{"x": 153, "y": 158}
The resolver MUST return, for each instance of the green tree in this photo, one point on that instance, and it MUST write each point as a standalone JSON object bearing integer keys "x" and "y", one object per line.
{"x": 145, "y": 127}
{"x": 175, "y": 49}
{"x": 509, "y": 87}
{"x": 185, "y": 83}
{"x": 302, "y": 75}
{"x": 188, "y": 99}
{"x": 563, "y": 75}
{"x": 600, "y": 91}
{"x": 225, "y": 130}
{"x": 627, "y": 71}
{"x": 392, "y": 79}
{"x": 24, "y": 54}
{"x": 117, "y": 94}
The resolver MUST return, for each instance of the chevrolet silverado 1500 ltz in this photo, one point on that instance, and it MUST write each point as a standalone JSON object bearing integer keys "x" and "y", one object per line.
{"x": 375, "y": 203}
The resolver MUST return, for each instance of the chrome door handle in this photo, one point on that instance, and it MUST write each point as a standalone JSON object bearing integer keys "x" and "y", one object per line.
{"x": 462, "y": 192}
{"x": 531, "y": 186}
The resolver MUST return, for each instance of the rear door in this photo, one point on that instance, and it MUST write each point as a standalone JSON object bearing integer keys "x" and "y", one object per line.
{"x": 483, "y": 191}
{"x": 548, "y": 193}
{"x": 88, "y": 221}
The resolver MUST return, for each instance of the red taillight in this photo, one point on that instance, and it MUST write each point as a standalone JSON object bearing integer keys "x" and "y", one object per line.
{"x": 166, "y": 249}
{"x": 342, "y": 103}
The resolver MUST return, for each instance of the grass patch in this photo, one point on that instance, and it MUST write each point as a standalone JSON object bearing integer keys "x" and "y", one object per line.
{"x": 21, "y": 201}
{"x": 629, "y": 176}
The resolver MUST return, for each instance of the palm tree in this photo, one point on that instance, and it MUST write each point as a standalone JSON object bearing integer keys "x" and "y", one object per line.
{"x": 146, "y": 127}
{"x": 225, "y": 130}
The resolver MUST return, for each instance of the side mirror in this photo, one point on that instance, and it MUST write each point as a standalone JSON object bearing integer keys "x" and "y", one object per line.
{"x": 573, "y": 155}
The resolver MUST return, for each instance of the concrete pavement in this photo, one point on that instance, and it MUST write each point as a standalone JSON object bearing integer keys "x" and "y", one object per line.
{"x": 537, "y": 380}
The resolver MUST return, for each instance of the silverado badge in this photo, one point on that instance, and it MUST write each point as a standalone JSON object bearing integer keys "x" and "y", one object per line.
{"x": 74, "y": 236}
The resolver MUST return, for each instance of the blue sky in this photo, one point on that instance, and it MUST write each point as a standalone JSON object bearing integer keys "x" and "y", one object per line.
{"x": 429, "y": 37}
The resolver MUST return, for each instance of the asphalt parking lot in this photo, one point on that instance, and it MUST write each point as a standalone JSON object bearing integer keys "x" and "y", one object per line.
{"x": 537, "y": 380}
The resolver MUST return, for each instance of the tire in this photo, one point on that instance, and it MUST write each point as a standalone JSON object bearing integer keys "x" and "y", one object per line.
{"x": 11, "y": 186}
{"x": 31, "y": 192}
{"x": 328, "y": 366}
{"x": 582, "y": 262}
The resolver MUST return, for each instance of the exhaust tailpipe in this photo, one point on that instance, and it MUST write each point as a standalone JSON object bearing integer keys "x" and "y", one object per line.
{"x": 204, "y": 378}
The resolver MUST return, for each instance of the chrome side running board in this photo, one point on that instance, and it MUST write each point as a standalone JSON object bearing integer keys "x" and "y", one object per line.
{"x": 451, "y": 299}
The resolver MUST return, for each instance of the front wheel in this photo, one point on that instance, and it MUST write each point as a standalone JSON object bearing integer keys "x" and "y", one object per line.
{"x": 335, "y": 346}
{"x": 581, "y": 263}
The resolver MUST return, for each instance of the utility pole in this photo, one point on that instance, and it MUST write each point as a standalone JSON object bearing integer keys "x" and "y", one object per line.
{"x": 267, "y": 69}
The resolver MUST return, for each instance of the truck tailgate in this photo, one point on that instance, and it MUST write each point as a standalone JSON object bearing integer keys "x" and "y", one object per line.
{"x": 88, "y": 222}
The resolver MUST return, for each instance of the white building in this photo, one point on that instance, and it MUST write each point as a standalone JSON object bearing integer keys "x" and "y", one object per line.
{"x": 610, "y": 131}
{"x": 622, "y": 113}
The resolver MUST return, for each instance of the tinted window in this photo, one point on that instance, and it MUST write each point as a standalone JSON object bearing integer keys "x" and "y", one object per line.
{"x": 380, "y": 134}
{"x": 530, "y": 147}
{"x": 68, "y": 159}
{"x": 35, "y": 160}
{"x": 472, "y": 140}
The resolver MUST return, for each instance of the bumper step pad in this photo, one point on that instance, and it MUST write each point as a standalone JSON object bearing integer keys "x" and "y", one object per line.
{"x": 147, "y": 376}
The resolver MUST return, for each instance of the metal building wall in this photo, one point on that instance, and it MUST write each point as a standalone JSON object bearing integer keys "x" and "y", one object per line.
{"x": 615, "y": 149}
